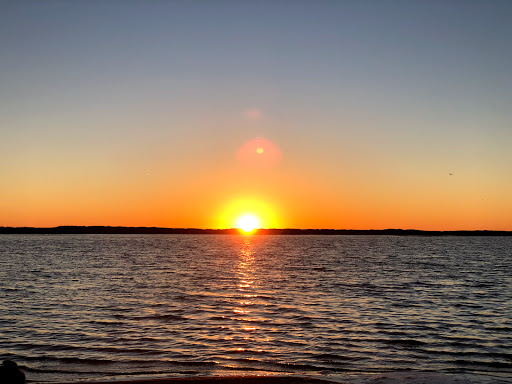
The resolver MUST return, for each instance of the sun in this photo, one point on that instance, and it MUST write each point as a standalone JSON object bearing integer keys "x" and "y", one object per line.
{"x": 248, "y": 223}
{"x": 247, "y": 214}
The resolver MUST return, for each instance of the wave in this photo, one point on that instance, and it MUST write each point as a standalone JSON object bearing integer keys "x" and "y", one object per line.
{"x": 401, "y": 342}
{"x": 332, "y": 357}
{"x": 489, "y": 364}
{"x": 163, "y": 317}
{"x": 70, "y": 360}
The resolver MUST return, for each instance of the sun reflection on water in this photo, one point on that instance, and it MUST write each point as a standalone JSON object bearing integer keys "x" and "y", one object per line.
{"x": 245, "y": 275}
{"x": 245, "y": 312}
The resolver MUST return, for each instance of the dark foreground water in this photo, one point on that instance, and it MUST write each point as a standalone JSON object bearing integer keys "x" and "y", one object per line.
{"x": 112, "y": 306}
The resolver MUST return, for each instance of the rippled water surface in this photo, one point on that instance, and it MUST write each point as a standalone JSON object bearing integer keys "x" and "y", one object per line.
{"x": 108, "y": 306}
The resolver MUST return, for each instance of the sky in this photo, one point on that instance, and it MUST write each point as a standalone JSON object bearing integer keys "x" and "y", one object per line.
{"x": 305, "y": 114}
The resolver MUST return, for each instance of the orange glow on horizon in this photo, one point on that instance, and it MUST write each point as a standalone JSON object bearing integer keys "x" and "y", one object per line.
{"x": 292, "y": 195}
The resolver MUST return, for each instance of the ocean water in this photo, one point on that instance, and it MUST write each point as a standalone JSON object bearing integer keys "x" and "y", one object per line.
{"x": 94, "y": 307}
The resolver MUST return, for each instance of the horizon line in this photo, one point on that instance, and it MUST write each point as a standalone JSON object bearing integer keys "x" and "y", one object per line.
{"x": 106, "y": 229}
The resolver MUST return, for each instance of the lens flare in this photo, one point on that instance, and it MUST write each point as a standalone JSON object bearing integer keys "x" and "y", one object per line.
{"x": 259, "y": 152}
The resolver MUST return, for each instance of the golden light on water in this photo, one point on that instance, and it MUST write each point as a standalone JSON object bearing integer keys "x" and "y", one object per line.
{"x": 245, "y": 281}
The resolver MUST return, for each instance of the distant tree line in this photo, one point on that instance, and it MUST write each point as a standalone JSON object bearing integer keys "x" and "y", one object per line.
{"x": 235, "y": 231}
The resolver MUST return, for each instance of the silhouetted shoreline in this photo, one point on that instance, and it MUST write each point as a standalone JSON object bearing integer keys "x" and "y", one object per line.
{"x": 234, "y": 231}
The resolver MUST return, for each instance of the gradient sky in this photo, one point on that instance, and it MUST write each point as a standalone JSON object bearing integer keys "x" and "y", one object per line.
{"x": 136, "y": 113}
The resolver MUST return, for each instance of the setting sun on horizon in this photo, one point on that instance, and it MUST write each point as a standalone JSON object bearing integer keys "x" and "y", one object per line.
{"x": 248, "y": 223}
{"x": 247, "y": 214}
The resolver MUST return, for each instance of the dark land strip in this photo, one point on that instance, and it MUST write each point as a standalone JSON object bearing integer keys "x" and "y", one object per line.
{"x": 235, "y": 231}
